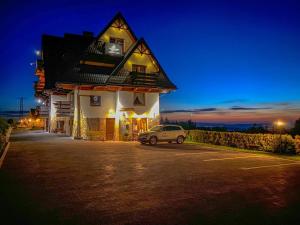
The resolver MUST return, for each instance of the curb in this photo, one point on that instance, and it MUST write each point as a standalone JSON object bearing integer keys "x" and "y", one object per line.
{"x": 4, "y": 154}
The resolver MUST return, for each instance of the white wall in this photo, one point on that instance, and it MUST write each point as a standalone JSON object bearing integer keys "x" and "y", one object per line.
{"x": 107, "y": 108}
{"x": 151, "y": 107}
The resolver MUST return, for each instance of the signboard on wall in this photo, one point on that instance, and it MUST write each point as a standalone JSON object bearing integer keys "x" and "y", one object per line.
{"x": 113, "y": 49}
{"x": 95, "y": 100}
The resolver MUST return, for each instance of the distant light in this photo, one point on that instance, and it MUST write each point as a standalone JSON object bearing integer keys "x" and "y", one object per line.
{"x": 29, "y": 120}
{"x": 43, "y": 103}
{"x": 37, "y": 52}
{"x": 39, "y": 101}
{"x": 279, "y": 123}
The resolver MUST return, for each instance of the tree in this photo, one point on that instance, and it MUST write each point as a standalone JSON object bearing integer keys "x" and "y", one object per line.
{"x": 296, "y": 130}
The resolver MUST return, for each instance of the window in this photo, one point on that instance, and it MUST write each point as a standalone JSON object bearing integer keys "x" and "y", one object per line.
{"x": 138, "y": 68}
{"x": 172, "y": 128}
{"x": 118, "y": 41}
{"x": 139, "y": 99}
{"x": 93, "y": 124}
{"x": 95, "y": 100}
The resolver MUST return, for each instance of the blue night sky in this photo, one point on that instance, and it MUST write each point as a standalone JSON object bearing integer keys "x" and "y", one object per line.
{"x": 233, "y": 61}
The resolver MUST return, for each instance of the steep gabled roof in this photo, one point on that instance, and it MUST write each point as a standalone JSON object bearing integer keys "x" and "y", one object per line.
{"x": 63, "y": 57}
{"x": 117, "y": 17}
{"x": 163, "y": 76}
{"x": 59, "y": 53}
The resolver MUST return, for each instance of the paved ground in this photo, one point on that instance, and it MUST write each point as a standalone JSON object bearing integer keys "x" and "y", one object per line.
{"x": 51, "y": 179}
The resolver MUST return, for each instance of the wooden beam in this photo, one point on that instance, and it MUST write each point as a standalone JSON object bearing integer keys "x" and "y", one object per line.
{"x": 97, "y": 63}
{"x": 113, "y": 88}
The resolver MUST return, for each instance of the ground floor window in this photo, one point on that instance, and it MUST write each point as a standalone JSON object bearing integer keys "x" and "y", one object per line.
{"x": 93, "y": 124}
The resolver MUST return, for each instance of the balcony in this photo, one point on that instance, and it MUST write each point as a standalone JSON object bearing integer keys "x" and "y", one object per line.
{"x": 144, "y": 79}
{"x": 64, "y": 108}
{"x": 43, "y": 111}
{"x": 105, "y": 50}
{"x": 39, "y": 70}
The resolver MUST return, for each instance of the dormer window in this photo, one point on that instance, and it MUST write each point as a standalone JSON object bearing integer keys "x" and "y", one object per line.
{"x": 138, "y": 68}
{"x": 118, "y": 41}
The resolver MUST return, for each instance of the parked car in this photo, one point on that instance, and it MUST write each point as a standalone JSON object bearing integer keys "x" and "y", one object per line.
{"x": 161, "y": 133}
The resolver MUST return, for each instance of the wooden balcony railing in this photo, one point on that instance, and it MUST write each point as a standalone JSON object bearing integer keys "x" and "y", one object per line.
{"x": 145, "y": 79}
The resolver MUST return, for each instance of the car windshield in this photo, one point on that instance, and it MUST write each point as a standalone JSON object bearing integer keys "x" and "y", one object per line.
{"x": 156, "y": 128}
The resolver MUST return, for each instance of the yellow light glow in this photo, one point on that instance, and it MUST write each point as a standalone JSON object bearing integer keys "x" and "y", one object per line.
{"x": 279, "y": 123}
{"x": 29, "y": 120}
{"x": 37, "y": 120}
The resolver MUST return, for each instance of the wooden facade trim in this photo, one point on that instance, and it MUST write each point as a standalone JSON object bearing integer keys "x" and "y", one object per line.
{"x": 92, "y": 63}
{"x": 110, "y": 88}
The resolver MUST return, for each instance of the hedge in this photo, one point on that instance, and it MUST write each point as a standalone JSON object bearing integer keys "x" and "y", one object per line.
{"x": 3, "y": 126}
{"x": 297, "y": 140}
{"x": 262, "y": 142}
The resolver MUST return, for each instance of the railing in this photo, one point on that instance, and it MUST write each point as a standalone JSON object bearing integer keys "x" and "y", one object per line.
{"x": 101, "y": 48}
{"x": 64, "y": 108}
{"x": 44, "y": 111}
{"x": 148, "y": 79}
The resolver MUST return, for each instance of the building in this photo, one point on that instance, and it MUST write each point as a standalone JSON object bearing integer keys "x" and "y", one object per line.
{"x": 103, "y": 87}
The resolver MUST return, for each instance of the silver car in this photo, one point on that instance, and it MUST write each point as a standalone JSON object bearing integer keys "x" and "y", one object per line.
{"x": 160, "y": 133}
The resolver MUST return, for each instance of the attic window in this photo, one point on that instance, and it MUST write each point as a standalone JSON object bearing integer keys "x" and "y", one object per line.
{"x": 118, "y": 41}
{"x": 138, "y": 68}
{"x": 139, "y": 99}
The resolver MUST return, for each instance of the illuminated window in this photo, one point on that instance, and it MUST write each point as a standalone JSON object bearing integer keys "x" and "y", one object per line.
{"x": 138, "y": 68}
{"x": 93, "y": 124}
{"x": 139, "y": 99}
{"x": 118, "y": 41}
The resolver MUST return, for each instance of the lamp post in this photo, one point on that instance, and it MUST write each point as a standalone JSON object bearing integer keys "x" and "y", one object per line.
{"x": 279, "y": 124}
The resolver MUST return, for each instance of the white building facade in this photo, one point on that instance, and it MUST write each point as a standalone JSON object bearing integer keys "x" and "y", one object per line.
{"x": 104, "y": 88}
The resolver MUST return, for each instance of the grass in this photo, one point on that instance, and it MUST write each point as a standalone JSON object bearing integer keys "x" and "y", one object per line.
{"x": 226, "y": 148}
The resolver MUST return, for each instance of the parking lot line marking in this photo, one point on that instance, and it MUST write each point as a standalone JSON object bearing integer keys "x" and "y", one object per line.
{"x": 232, "y": 158}
{"x": 276, "y": 165}
{"x": 194, "y": 153}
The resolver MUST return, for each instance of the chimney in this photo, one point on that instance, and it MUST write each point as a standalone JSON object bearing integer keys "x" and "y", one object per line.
{"x": 88, "y": 34}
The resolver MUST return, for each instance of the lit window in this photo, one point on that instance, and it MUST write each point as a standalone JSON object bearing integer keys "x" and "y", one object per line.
{"x": 118, "y": 41}
{"x": 138, "y": 68}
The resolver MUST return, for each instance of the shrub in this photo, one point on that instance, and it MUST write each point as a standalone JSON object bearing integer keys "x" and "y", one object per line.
{"x": 3, "y": 126}
{"x": 297, "y": 140}
{"x": 262, "y": 142}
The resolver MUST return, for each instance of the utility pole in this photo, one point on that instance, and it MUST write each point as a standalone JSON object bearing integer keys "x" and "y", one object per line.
{"x": 21, "y": 106}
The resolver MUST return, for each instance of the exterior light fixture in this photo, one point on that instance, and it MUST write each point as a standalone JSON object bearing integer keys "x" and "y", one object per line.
{"x": 39, "y": 101}
{"x": 37, "y": 52}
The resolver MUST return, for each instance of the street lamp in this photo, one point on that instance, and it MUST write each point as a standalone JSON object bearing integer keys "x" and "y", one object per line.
{"x": 279, "y": 124}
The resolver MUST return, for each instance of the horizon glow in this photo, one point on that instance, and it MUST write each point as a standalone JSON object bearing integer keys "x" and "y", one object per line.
{"x": 240, "y": 59}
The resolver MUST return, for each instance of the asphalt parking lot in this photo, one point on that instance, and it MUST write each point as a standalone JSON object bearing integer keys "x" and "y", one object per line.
{"x": 52, "y": 179}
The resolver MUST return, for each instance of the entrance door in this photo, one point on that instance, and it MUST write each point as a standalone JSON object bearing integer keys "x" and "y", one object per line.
{"x": 110, "y": 128}
{"x": 138, "y": 125}
{"x": 60, "y": 124}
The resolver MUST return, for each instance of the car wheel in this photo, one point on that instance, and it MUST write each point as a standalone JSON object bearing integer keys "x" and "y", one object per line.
{"x": 153, "y": 140}
{"x": 143, "y": 142}
{"x": 180, "y": 139}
